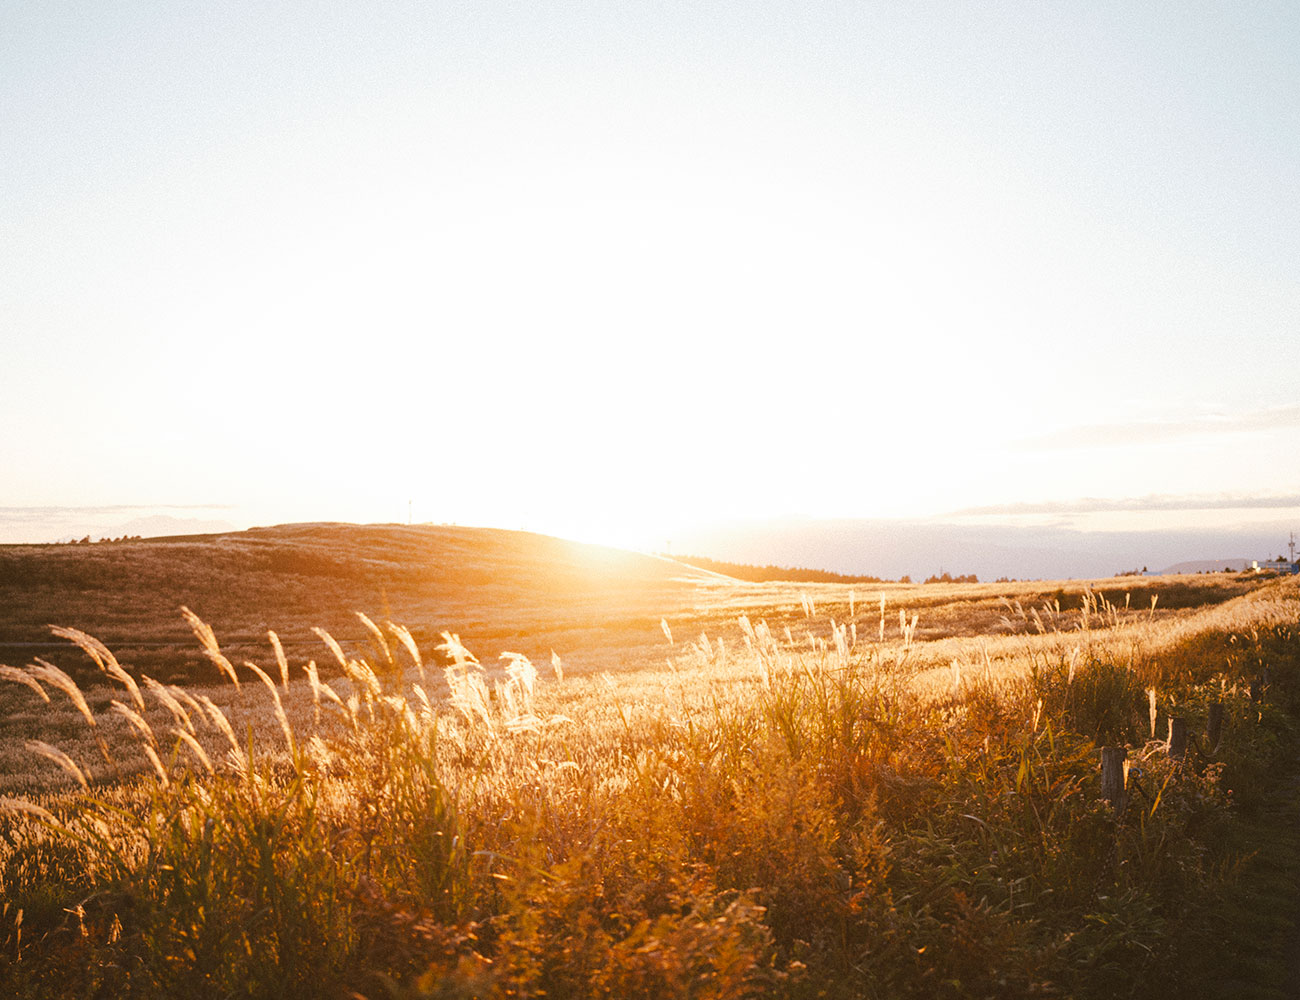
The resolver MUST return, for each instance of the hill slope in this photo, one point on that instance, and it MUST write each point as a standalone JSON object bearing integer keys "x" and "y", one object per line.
{"x": 599, "y": 608}
{"x": 482, "y": 583}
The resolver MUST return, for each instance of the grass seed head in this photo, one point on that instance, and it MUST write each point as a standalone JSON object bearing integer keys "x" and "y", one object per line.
{"x": 426, "y": 708}
{"x": 333, "y": 645}
{"x": 195, "y": 747}
{"x": 21, "y": 807}
{"x": 104, "y": 659}
{"x": 161, "y": 771}
{"x": 52, "y": 753}
{"x": 318, "y": 752}
{"x": 222, "y": 723}
{"x": 22, "y": 677}
{"x": 408, "y": 643}
{"x": 283, "y": 719}
{"x": 136, "y": 720}
{"x": 45, "y": 671}
{"x": 378, "y": 636}
{"x": 280, "y": 658}
{"x": 208, "y": 640}
{"x": 185, "y": 698}
{"x": 455, "y": 649}
{"x": 169, "y": 702}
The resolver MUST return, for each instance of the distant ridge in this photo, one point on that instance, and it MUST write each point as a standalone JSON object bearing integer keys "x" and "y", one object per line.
{"x": 1207, "y": 566}
{"x": 922, "y": 548}
{"x": 495, "y": 588}
{"x": 155, "y": 526}
{"x": 765, "y": 574}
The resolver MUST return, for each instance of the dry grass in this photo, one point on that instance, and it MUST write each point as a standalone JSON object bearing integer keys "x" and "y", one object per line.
{"x": 990, "y": 631}
{"x": 767, "y": 790}
{"x": 498, "y": 590}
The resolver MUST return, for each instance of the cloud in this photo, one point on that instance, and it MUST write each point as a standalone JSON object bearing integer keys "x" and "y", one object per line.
{"x": 1140, "y": 432}
{"x": 1096, "y": 505}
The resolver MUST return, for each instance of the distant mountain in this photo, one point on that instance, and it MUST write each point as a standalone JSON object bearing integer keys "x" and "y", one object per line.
{"x": 924, "y": 548}
{"x": 157, "y": 526}
{"x": 1208, "y": 566}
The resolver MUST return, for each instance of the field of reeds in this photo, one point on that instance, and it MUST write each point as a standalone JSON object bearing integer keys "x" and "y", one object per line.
{"x": 759, "y": 791}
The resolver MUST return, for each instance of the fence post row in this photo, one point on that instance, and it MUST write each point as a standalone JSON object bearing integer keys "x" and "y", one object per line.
{"x": 1177, "y": 738}
{"x": 1114, "y": 771}
{"x": 1113, "y": 774}
{"x": 1214, "y": 725}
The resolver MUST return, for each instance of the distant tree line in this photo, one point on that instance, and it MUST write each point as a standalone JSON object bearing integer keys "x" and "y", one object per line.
{"x": 949, "y": 578}
{"x": 768, "y": 574}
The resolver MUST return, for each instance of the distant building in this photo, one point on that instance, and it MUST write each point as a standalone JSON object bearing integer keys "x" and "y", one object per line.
{"x": 1276, "y": 566}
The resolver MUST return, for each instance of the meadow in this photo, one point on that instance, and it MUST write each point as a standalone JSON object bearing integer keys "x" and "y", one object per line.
{"x": 438, "y": 762}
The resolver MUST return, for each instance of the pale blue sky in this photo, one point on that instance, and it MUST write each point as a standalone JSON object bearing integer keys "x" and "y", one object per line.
{"x": 605, "y": 269}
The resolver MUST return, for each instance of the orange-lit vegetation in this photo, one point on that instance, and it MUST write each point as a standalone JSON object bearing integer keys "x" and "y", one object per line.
{"x": 773, "y": 574}
{"x": 765, "y": 792}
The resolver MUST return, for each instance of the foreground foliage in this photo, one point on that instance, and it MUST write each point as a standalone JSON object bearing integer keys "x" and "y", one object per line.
{"x": 767, "y": 816}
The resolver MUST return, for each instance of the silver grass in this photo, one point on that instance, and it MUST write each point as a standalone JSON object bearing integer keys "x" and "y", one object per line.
{"x": 104, "y": 659}
{"x": 280, "y": 658}
{"x": 335, "y": 648}
{"x": 137, "y": 721}
{"x": 45, "y": 671}
{"x": 18, "y": 676}
{"x": 57, "y": 756}
{"x": 169, "y": 702}
{"x": 376, "y": 634}
{"x": 279, "y": 705}
{"x": 157, "y": 764}
{"x": 21, "y": 807}
{"x": 408, "y": 642}
{"x": 203, "y": 632}
{"x": 195, "y": 748}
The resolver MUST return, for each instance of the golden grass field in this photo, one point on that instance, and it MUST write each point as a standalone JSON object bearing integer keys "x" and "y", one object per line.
{"x": 508, "y": 765}
{"x": 600, "y": 610}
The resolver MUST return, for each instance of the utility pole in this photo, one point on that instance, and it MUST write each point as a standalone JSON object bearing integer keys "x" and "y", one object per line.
{"x": 1291, "y": 546}
{"x": 409, "y": 507}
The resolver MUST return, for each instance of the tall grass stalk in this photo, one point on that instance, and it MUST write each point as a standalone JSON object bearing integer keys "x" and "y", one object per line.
{"x": 764, "y": 817}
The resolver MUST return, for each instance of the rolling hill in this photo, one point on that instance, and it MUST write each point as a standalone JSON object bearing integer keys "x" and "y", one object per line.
{"x": 488, "y": 585}
{"x": 599, "y": 608}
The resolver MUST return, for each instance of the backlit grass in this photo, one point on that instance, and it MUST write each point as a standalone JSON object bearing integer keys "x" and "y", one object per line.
{"x": 825, "y": 804}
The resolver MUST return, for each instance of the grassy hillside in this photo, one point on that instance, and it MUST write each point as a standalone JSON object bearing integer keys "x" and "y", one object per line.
{"x": 773, "y": 574}
{"x": 799, "y": 792}
{"x": 488, "y": 585}
{"x": 503, "y": 589}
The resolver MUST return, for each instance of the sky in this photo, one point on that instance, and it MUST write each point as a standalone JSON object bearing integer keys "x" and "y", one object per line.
{"x": 617, "y": 270}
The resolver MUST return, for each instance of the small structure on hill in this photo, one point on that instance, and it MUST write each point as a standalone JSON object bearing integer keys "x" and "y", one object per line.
{"x": 1278, "y": 565}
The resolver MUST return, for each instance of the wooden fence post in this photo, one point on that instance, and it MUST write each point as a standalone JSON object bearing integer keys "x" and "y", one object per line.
{"x": 1177, "y": 738}
{"x": 1113, "y": 775}
{"x": 1214, "y": 726}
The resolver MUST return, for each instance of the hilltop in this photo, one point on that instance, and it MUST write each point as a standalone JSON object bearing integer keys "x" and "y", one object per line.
{"x": 600, "y": 608}
{"x": 486, "y": 584}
